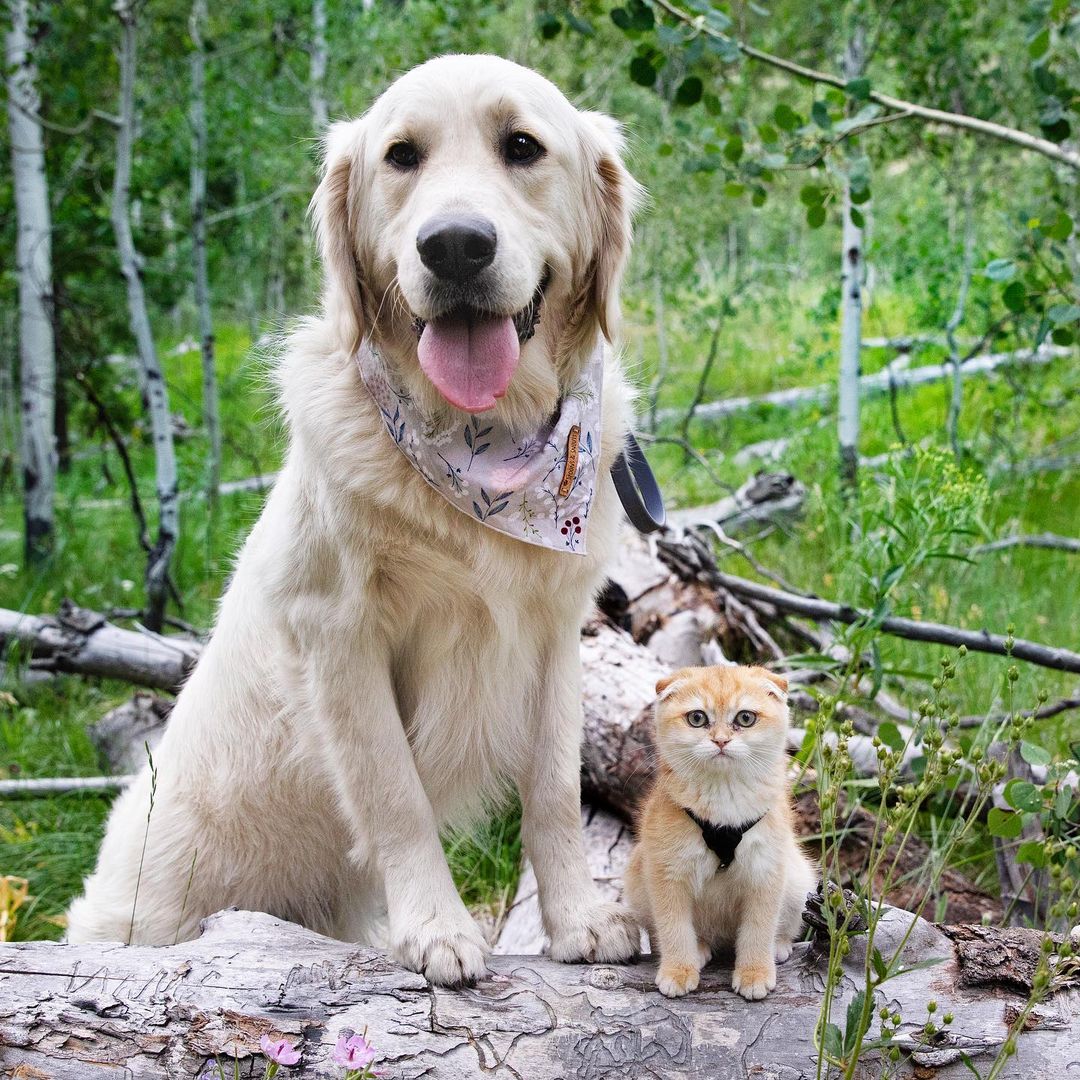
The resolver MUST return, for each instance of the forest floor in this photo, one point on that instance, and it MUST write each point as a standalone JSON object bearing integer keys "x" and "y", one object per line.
{"x": 1010, "y": 420}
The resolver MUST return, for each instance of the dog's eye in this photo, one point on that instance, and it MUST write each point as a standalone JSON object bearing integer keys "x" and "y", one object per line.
{"x": 520, "y": 148}
{"x": 745, "y": 718}
{"x": 696, "y": 718}
{"x": 404, "y": 155}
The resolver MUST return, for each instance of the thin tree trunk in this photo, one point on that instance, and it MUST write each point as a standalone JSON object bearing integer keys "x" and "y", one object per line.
{"x": 851, "y": 280}
{"x": 198, "y": 230}
{"x": 155, "y": 394}
{"x": 319, "y": 112}
{"x": 33, "y": 258}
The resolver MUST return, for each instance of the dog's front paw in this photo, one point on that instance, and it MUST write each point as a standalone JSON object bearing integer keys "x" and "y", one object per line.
{"x": 783, "y": 951}
{"x": 755, "y": 980}
{"x": 675, "y": 980}
{"x": 604, "y": 933}
{"x": 447, "y": 951}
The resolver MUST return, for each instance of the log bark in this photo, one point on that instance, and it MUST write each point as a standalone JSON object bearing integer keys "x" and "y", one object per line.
{"x": 33, "y": 261}
{"x": 67, "y": 1011}
{"x": 82, "y": 642}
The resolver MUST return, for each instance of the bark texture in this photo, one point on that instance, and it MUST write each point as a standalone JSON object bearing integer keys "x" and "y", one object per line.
{"x": 33, "y": 263}
{"x": 70, "y": 1011}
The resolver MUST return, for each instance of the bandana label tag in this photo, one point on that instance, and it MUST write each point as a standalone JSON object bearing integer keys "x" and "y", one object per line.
{"x": 571, "y": 461}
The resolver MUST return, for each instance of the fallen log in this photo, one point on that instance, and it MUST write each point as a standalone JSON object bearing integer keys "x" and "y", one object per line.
{"x": 83, "y": 642}
{"x": 878, "y": 383}
{"x": 67, "y": 1011}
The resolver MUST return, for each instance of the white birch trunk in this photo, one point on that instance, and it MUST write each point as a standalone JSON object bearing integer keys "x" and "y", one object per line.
{"x": 320, "y": 114}
{"x": 155, "y": 393}
{"x": 33, "y": 260}
{"x": 198, "y": 236}
{"x": 851, "y": 281}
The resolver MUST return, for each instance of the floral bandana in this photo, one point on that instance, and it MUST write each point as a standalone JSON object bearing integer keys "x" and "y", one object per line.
{"x": 537, "y": 487}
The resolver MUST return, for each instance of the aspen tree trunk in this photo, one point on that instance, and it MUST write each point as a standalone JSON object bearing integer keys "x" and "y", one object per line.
{"x": 155, "y": 394}
{"x": 33, "y": 260}
{"x": 198, "y": 231}
{"x": 851, "y": 282}
{"x": 320, "y": 114}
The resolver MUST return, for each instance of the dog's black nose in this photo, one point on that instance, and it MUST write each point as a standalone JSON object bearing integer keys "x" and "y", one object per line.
{"x": 456, "y": 248}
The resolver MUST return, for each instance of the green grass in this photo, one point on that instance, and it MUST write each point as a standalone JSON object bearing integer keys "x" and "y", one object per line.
{"x": 769, "y": 342}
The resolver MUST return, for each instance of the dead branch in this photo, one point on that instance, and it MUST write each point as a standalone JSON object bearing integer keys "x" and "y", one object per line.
{"x": 1034, "y": 540}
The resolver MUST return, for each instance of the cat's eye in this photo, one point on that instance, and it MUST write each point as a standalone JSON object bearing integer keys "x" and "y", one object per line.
{"x": 404, "y": 155}
{"x": 521, "y": 148}
{"x": 696, "y": 718}
{"x": 744, "y": 718}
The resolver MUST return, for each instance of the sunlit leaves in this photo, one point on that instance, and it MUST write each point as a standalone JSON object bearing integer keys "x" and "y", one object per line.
{"x": 1000, "y": 270}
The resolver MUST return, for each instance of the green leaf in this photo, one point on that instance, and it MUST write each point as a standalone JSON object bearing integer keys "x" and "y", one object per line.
{"x": 890, "y": 735}
{"x": 832, "y": 1041}
{"x": 881, "y": 969}
{"x": 1014, "y": 296}
{"x": 815, "y": 216}
{"x": 858, "y": 89}
{"x": 1061, "y": 314}
{"x": 1062, "y": 227}
{"x": 621, "y": 18}
{"x": 665, "y": 150}
{"x": 1004, "y": 823}
{"x": 1032, "y": 852}
{"x": 712, "y": 105}
{"x": 733, "y": 189}
{"x": 1023, "y": 795}
{"x": 758, "y": 197}
{"x": 1062, "y": 335}
{"x": 857, "y": 218}
{"x": 1000, "y": 269}
{"x": 811, "y": 195}
{"x": 1039, "y": 44}
{"x": 733, "y": 148}
{"x": 1063, "y": 802}
{"x": 820, "y": 115}
{"x": 689, "y": 92}
{"x": 786, "y": 118}
{"x": 854, "y": 1020}
{"x": 1034, "y": 754}
{"x": 642, "y": 71}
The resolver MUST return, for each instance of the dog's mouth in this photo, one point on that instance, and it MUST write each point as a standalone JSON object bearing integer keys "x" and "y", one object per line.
{"x": 470, "y": 355}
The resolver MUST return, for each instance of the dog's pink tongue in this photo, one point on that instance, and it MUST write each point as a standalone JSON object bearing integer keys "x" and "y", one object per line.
{"x": 470, "y": 362}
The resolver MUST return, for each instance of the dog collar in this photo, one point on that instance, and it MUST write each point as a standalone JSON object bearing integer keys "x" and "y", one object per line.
{"x": 721, "y": 840}
{"x": 536, "y": 487}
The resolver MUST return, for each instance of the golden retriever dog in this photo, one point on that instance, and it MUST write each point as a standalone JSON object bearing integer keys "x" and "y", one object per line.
{"x": 384, "y": 666}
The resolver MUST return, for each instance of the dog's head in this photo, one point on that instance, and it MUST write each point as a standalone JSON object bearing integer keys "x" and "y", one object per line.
{"x": 475, "y": 225}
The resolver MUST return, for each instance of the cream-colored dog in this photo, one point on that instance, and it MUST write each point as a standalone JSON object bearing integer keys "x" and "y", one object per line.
{"x": 383, "y": 666}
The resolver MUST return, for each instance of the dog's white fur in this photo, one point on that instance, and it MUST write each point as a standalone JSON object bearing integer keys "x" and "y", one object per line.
{"x": 382, "y": 666}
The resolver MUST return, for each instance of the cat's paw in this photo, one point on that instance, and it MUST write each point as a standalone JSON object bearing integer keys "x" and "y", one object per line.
{"x": 447, "y": 951}
{"x": 675, "y": 980}
{"x": 754, "y": 981}
{"x": 783, "y": 951}
{"x": 601, "y": 934}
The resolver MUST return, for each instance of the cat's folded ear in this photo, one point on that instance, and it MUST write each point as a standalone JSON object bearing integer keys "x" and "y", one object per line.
{"x": 664, "y": 683}
{"x": 669, "y": 681}
{"x": 777, "y": 680}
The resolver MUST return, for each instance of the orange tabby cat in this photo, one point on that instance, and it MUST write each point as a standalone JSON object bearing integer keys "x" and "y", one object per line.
{"x": 717, "y": 862}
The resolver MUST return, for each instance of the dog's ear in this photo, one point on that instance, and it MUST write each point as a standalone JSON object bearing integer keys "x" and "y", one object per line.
{"x": 612, "y": 197}
{"x": 335, "y": 211}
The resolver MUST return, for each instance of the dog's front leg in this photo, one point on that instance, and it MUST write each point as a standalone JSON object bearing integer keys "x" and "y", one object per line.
{"x": 369, "y": 757}
{"x": 579, "y": 923}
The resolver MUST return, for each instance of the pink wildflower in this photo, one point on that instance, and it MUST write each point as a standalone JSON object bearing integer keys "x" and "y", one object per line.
{"x": 280, "y": 1051}
{"x": 353, "y": 1053}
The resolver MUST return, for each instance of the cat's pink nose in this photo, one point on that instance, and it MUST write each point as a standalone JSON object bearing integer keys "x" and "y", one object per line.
{"x": 720, "y": 744}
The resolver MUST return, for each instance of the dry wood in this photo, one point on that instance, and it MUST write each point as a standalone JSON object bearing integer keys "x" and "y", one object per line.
{"x": 82, "y": 642}
{"x": 878, "y": 383}
{"x": 69, "y": 1011}
{"x": 684, "y": 554}
{"x": 1036, "y": 540}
